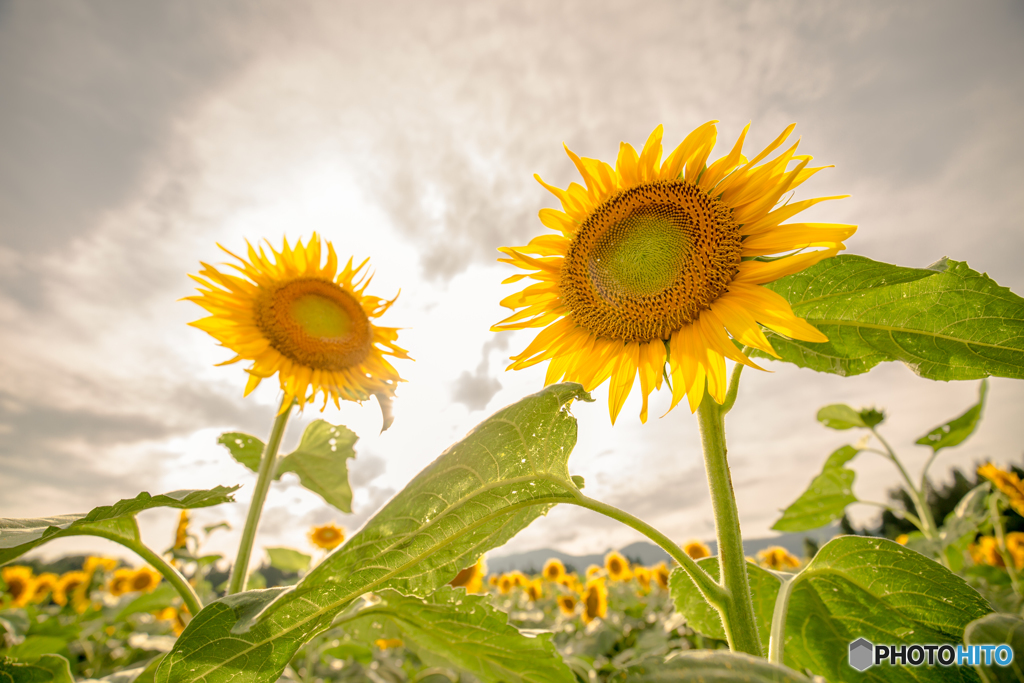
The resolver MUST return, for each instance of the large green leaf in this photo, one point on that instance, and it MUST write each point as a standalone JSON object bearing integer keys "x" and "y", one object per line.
{"x": 464, "y": 631}
{"x": 18, "y": 536}
{"x": 703, "y": 618}
{"x": 479, "y": 493}
{"x": 858, "y": 587}
{"x": 288, "y": 559}
{"x": 997, "y": 629}
{"x": 954, "y": 432}
{"x": 826, "y": 498}
{"x": 710, "y": 666}
{"x": 244, "y": 448}
{"x": 321, "y": 462}
{"x": 946, "y": 322}
{"x": 45, "y": 669}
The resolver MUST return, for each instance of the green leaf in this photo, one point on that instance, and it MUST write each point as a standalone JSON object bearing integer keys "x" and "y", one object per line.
{"x": 18, "y": 536}
{"x": 505, "y": 473}
{"x": 996, "y": 629}
{"x": 859, "y": 587}
{"x": 162, "y": 596}
{"x": 46, "y": 669}
{"x": 288, "y": 560}
{"x": 452, "y": 627}
{"x": 703, "y": 618}
{"x": 320, "y": 462}
{"x": 954, "y": 432}
{"x": 945, "y": 322}
{"x": 826, "y": 498}
{"x": 35, "y": 646}
{"x": 710, "y": 666}
{"x": 246, "y": 449}
{"x": 840, "y": 416}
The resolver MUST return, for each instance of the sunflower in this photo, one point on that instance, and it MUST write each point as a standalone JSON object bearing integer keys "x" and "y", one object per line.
{"x": 553, "y": 570}
{"x": 696, "y": 550}
{"x": 518, "y": 578}
{"x": 506, "y": 582}
{"x": 643, "y": 577}
{"x": 1015, "y": 546}
{"x": 534, "y": 589}
{"x": 570, "y": 582}
{"x": 70, "y": 584}
{"x": 595, "y": 600}
{"x": 388, "y": 643}
{"x": 661, "y": 574}
{"x": 661, "y": 262}
{"x": 327, "y": 537}
{"x": 94, "y": 563}
{"x": 20, "y": 584}
{"x": 181, "y": 532}
{"x": 902, "y": 539}
{"x": 144, "y": 580}
{"x": 121, "y": 582}
{"x": 293, "y": 314}
{"x": 777, "y": 557}
{"x": 986, "y": 551}
{"x": 567, "y": 605}
{"x": 1008, "y": 483}
{"x": 43, "y": 586}
{"x": 176, "y": 616}
{"x": 592, "y": 570}
{"x": 617, "y": 566}
{"x": 472, "y": 577}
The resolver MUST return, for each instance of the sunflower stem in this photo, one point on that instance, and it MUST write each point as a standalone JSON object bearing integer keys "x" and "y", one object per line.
{"x": 173, "y": 576}
{"x": 712, "y": 592}
{"x": 734, "y": 386}
{"x": 738, "y": 611}
{"x": 268, "y": 463}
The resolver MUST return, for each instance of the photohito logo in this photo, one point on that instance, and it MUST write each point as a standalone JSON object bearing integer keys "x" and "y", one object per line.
{"x": 864, "y": 655}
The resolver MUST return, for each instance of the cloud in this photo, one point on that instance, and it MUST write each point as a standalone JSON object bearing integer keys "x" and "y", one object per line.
{"x": 475, "y": 390}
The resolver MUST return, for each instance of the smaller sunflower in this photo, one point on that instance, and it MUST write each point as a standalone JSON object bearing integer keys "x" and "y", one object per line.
{"x": 592, "y": 570}
{"x": 94, "y": 563}
{"x": 506, "y": 583}
{"x": 145, "y": 579}
{"x": 567, "y": 605}
{"x": 121, "y": 582}
{"x": 472, "y": 577}
{"x": 20, "y": 584}
{"x": 44, "y": 585}
{"x": 178, "y": 618}
{"x": 617, "y": 566}
{"x": 1015, "y": 546}
{"x": 327, "y": 537}
{"x": 661, "y": 574}
{"x": 518, "y": 578}
{"x": 570, "y": 582}
{"x": 1008, "y": 483}
{"x": 554, "y": 570}
{"x": 777, "y": 557}
{"x": 181, "y": 532}
{"x": 696, "y": 550}
{"x": 69, "y": 585}
{"x": 534, "y": 589}
{"x": 643, "y": 577}
{"x": 595, "y": 600}
{"x": 986, "y": 551}
{"x": 294, "y": 314}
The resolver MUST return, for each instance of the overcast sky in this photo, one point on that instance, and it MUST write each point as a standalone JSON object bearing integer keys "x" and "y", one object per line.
{"x": 137, "y": 135}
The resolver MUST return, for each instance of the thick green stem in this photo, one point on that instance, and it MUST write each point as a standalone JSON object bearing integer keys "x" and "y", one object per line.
{"x": 738, "y": 611}
{"x": 173, "y": 576}
{"x": 924, "y": 513}
{"x": 268, "y": 463}
{"x": 734, "y": 387}
{"x": 712, "y": 592}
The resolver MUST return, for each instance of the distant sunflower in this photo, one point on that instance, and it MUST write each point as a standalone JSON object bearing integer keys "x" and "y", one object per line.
{"x": 554, "y": 570}
{"x": 986, "y": 551}
{"x": 661, "y": 574}
{"x": 327, "y": 537}
{"x": 534, "y": 589}
{"x": 293, "y": 313}
{"x": 121, "y": 582}
{"x": 506, "y": 583}
{"x": 68, "y": 585}
{"x": 181, "y": 532}
{"x": 20, "y": 584}
{"x": 661, "y": 262}
{"x": 696, "y": 550}
{"x": 93, "y": 563}
{"x": 643, "y": 577}
{"x": 472, "y": 577}
{"x": 592, "y": 570}
{"x": 777, "y": 557}
{"x": 43, "y": 587}
{"x": 567, "y": 605}
{"x": 1008, "y": 483}
{"x": 144, "y": 579}
{"x": 617, "y": 566}
{"x": 595, "y": 600}
{"x": 518, "y": 578}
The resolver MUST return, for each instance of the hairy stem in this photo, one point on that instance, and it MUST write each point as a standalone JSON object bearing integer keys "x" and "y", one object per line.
{"x": 712, "y": 592}
{"x": 997, "y": 525}
{"x": 738, "y": 612}
{"x": 924, "y": 513}
{"x": 734, "y": 386}
{"x": 173, "y": 576}
{"x": 268, "y": 463}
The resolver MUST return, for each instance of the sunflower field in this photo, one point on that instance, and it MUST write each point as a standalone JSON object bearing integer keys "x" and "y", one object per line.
{"x": 658, "y": 270}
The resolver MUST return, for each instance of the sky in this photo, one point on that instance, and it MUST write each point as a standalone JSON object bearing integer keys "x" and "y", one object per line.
{"x": 137, "y": 136}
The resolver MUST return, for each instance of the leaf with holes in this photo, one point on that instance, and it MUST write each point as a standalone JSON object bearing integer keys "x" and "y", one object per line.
{"x": 506, "y": 472}
{"x": 945, "y": 322}
{"x": 245, "y": 449}
{"x": 451, "y": 627}
{"x": 18, "y": 536}
{"x": 321, "y": 462}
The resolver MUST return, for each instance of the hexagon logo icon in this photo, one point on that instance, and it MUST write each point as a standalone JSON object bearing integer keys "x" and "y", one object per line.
{"x": 861, "y": 654}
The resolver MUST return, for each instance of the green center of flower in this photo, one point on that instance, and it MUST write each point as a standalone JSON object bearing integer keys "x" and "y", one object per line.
{"x": 315, "y": 323}
{"x": 648, "y": 260}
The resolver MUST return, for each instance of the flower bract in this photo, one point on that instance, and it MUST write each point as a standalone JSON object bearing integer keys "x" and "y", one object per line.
{"x": 656, "y": 262}
{"x": 296, "y": 314}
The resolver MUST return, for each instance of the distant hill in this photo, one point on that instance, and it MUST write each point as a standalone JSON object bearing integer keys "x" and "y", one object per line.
{"x": 647, "y": 553}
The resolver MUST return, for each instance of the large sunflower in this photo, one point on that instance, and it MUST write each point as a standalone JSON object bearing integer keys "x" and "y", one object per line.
{"x": 657, "y": 262}
{"x": 294, "y": 313}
